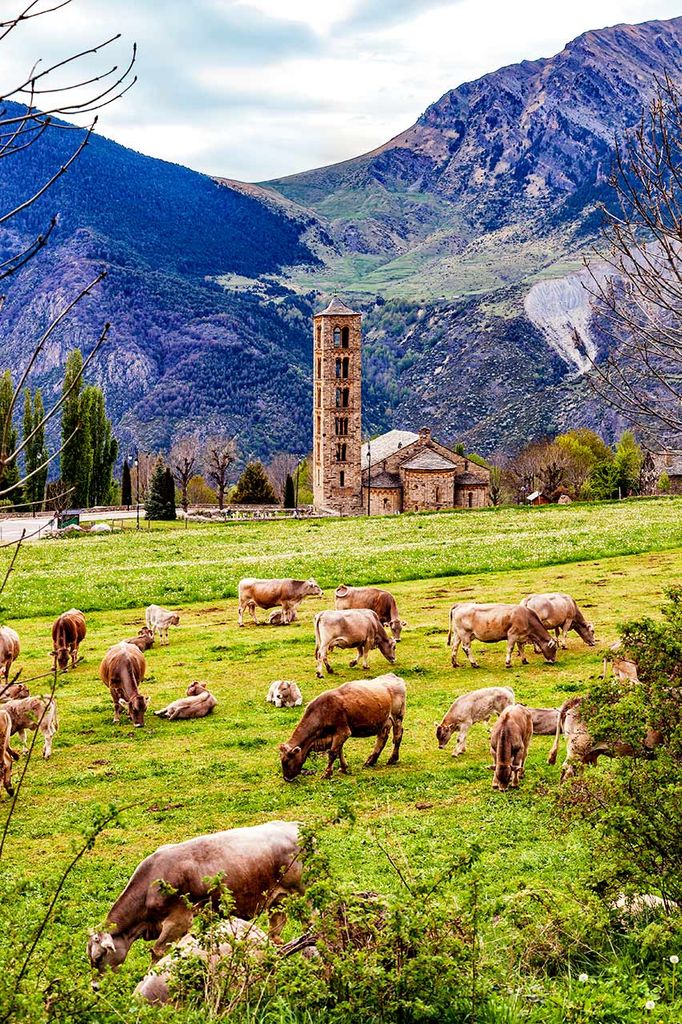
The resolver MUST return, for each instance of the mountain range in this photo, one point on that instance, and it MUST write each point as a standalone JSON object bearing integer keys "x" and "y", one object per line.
{"x": 461, "y": 240}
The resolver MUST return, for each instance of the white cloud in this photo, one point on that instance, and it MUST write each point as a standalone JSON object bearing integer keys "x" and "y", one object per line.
{"x": 256, "y": 89}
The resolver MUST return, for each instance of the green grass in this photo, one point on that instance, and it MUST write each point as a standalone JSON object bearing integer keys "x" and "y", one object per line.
{"x": 187, "y": 778}
{"x": 129, "y": 569}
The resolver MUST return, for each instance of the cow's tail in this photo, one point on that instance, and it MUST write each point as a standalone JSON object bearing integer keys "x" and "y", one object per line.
{"x": 551, "y": 757}
{"x": 316, "y": 621}
{"x": 452, "y": 612}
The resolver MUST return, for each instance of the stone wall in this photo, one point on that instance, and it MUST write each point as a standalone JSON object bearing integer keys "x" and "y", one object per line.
{"x": 427, "y": 490}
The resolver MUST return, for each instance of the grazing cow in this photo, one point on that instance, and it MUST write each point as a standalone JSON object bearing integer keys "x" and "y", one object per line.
{"x": 34, "y": 713}
{"x": 122, "y": 671}
{"x": 582, "y": 749}
{"x": 13, "y": 691}
{"x": 284, "y": 694}
{"x": 469, "y": 709}
{"x": 143, "y": 641}
{"x": 68, "y": 631}
{"x": 197, "y": 704}
{"x": 359, "y": 628}
{"x": 560, "y": 613}
{"x": 267, "y": 594}
{"x": 509, "y": 744}
{"x": 259, "y": 866}
{"x": 7, "y": 755}
{"x": 159, "y": 620}
{"x": 544, "y": 721}
{"x": 9, "y": 650}
{"x": 491, "y": 623}
{"x": 367, "y": 707}
{"x": 380, "y": 601}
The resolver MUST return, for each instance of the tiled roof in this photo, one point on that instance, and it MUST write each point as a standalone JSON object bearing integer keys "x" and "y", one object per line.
{"x": 669, "y": 462}
{"x": 386, "y": 480}
{"x": 337, "y": 308}
{"x": 387, "y": 444}
{"x": 429, "y": 460}
{"x": 469, "y": 480}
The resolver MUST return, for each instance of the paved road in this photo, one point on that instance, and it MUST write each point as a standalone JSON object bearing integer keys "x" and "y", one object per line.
{"x": 11, "y": 529}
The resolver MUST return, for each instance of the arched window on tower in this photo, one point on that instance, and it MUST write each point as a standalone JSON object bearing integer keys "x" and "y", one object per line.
{"x": 345, "y": 334}
{"x": 338, "y": 398}
{"x": 318, "y": 335}
{"x": 470, "y": 499}
{"x": 341, "y": 453}
{"x": 339, "y": 368}
{"x": 342, "y": 479}
{"x": 344, "y": 368}
{"x": 344, "y": 398}
{"x": 337, "y": 337}
{"x": 341, "y": 427}
{"x": 319, "y": 367}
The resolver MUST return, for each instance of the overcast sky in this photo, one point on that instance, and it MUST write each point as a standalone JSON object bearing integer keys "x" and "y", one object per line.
{"x": 254, "y": 89}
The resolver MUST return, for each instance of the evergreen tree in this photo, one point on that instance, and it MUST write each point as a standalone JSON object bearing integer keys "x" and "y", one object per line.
{"x": 70, "y": 459}
{"x": 289, "y": 493}
{"x": 254, "y": 487}
{"x": 9, "y": 470}
{"x": 169, "y": 489}
{"x": 126, "y": 486}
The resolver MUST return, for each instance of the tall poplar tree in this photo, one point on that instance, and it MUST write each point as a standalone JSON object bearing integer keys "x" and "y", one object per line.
{"x": 9, "y": 471}
{"x": 126, "y": 485}
{"x": 88, "y": 459}
{"x": 40, "y": 452}
{"x": 71, "y": 456}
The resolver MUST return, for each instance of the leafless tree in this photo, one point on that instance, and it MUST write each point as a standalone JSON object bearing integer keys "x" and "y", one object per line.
{"x": 282, "y": 465}
{"x": 219, "y": 454}
{"x": 183, "y": 460}
{"x": 636, "y": 278}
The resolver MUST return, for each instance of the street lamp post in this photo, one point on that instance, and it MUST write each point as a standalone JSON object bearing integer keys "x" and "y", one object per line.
{"x": 135, "y": 459}
{"x": 298, "y": 472}
{"x": 369, "y": 478}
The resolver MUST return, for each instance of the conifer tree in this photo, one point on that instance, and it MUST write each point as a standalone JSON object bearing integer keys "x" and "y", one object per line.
{"x": 155, "y": 505}
{"x": 254, "y": 487}
{"x": 169, "y": 488}
{"x": 289, "y": 493}
{"x": 126, "y": 485}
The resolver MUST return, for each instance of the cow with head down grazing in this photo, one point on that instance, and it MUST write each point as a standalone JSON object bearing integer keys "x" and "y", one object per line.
{"x": 259, "y": 866}
{"x": 122, "y": 671}
{"x": 380, "y": 601}
{"x": 68, "y": 631}
{"x": 286, "y": 594}
{"x": 9, "y": 651}
{"x": 509, "y": 743}
{"x": 560, "y": 613}
{"x": 491, "y": 623}
{"x": 13, "y": 691}
{"x": 7, "y": 755}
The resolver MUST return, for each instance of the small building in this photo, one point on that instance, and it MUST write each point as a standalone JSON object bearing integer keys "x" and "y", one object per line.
{"x": 537, "y": 498}
{"x": 669, "y": 462}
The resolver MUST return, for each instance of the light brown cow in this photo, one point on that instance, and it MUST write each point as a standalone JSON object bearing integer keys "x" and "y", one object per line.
{"x": 68, "y": 632}
{"x": 9, "y": 650}
{"x": 560, "y": 613}
{"x": 469, "y": 709}
{"x": 509, "y": 743}
{"x": 380, "y": 601}
{"x": 287, "y": 593}
{"x": 13, "y": 691}
{"x": 259, "y": 866}
{"x": 159, "y": 620}
{"x": 284, "y": 693}
{"x": 582, "y": 749}
{"x": 144, "y": 640}
{"x": 491, "y": 623}
{"x": 122, "y": 671}
{"x": 544, "y": 721}
{"x": 197, "y": 704}
{"x": 7, "y": 755}
{"x": 34, "y": 713}
{"x": 366, "y": 707}
{"x": 359, "y": 628}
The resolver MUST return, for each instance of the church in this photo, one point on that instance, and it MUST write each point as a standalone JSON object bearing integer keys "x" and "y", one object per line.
{"x": 400, "y": 471}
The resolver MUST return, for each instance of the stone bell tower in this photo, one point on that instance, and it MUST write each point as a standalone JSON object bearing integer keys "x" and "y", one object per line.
{"x": 337, "y": 409}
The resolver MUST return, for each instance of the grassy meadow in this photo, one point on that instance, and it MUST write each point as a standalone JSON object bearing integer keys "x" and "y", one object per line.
{"x": 182, "y": 779}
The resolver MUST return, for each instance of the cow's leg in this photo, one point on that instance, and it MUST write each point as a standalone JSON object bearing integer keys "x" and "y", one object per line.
{"x": 276, "y": 921}
{"x": 461, "y": 739}
{"x": 240, "y": 614}
{"x": 397, "y": 740}
{"x": 511, "y": 643}
{"x": 365, "y": 653}
{"x": 252, "y": 612}
{"x": 323, "y": 661}
{"x": 466, "y": 645}
{"x": 564, "y": 642}
{"x": 455, "y": 648}
{"x": 24, "y": 743}
{"x": 48, "y": 736}
{"x": 336, "y": 750}
{"x": 520, "y": 645}
{"x": 74, "y": 655}
{"x": 379, "y": 745}
{"x": 356, "y": 659}
{"x": 117, "y": 712}
{"x": 177, "y": 924}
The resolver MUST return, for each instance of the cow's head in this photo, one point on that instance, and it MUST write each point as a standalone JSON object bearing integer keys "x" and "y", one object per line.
{"x": 387, "y": 647}
{"x": 397, "y": 628}
{"x": 174, "y": 619}
{"x": 105, "y": 950}
{"x": 61, "y": 658}
{"x": 292, "y": 759}
{"x": 585, "y": 631}
{"x": 443, "y": 734}
{"x": 195, "y": 688}
{"x": 505, "y": 775}
{"x": 135, "y": 707}
{"x": 146, "y": 635}
{"x": 549, "y": 649}
{"x": 312, "y": 588}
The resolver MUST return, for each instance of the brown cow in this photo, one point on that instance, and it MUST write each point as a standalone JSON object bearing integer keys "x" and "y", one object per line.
{"x": 544, "y": 721}
{"x": 380, "y": 601}
{"x": 197, "y": 704}
{"x": 469, "y": 709}
{"x": 509, "y": 743}
{"x": 366, "y": 707}
{"x": 359, "y": 628}
{"x": 7, "y": 755}
{"x": 560, "y": 613}
{"x": 143, "y": 641}
{"x": 9, "y": 650}
{"x": 68, "y": 632}
{"x": 34, "y": 713}
{"x": 259, "y": 866}
{"x": 287, "y": 593}
{"x": 13, "y": 691}
{"x": 583, "y": 749}
{"x": 491, "y": 623}
{"x": 122, "y": 671}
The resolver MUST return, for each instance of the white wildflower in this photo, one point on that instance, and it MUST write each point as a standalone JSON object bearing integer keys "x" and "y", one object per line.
{"x": 583, "y": 977}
